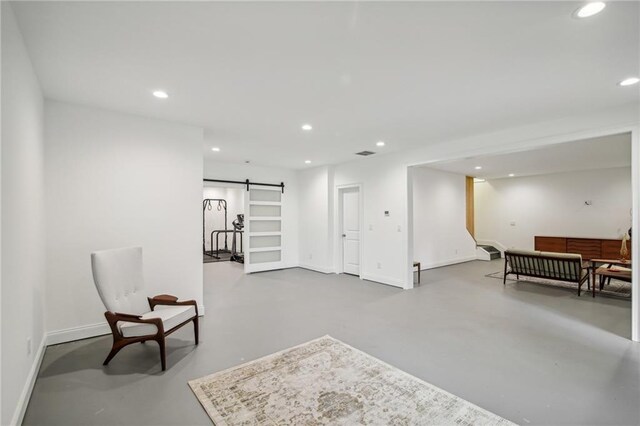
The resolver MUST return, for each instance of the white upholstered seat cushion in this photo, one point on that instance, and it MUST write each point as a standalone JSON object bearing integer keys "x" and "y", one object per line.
{"x": 170, "y": 316}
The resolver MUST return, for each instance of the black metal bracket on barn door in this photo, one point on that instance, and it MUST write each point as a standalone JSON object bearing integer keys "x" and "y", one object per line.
{"x": 248, "y": 183}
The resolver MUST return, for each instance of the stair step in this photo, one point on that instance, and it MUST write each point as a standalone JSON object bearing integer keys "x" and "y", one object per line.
{"x": 494, "y": 253}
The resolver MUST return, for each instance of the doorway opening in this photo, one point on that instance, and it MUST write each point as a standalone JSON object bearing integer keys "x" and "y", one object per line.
{"x": 222, "y": 224}
{"x": 573, "y": 198}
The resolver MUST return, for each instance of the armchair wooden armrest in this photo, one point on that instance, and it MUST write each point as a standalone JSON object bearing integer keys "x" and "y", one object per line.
{"x": 119, "y": 341}
{"x": 114, "y": 317}
{"x": 127, "y": 317}
{"x": 169, "y": 300}
{"x": 165, "y": 298}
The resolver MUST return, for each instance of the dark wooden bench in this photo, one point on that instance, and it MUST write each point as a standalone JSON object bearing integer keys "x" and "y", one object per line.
{"x": 565, "y": 267}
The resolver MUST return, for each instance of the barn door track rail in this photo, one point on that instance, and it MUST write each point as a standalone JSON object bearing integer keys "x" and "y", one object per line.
{"x": 248, "y": 183}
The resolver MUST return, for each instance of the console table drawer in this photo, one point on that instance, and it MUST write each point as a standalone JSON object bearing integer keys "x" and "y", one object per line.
{"x": 588, "y": 249}
{"x": 554, "y": 244}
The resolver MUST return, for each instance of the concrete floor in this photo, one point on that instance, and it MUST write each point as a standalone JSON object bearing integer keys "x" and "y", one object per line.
{"x": 532, "y": 354}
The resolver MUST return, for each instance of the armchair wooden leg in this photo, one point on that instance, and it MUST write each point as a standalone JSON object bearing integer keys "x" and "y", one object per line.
{"x": 114, "y": 350}
{"x": 163, "y": 354}
{"x": 195, "y": 328}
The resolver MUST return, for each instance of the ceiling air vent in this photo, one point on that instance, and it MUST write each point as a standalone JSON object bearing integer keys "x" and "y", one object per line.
{"x": 365, "y": 153}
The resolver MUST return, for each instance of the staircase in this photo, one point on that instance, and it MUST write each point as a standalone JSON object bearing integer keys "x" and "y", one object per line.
{"x": 485, "y": 252}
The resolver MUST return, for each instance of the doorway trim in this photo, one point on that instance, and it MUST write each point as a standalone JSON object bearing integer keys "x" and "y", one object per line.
{"x": 338, "y": 246}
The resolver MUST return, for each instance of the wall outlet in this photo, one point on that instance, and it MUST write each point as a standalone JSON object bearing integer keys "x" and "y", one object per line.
{"x": 456, "y": 251}
{"x": 399, "y": 228}
{"x": 379, "y": 265}
{"x": 370, "y": 227}
{"x": 310, "y": 256}
{"x": 29, "y": 348}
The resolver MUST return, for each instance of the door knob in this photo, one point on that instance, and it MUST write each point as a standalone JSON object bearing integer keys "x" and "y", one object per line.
{"x": 344, "y": 235}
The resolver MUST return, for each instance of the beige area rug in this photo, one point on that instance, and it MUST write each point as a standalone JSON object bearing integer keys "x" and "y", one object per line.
{"x": 326, "y": 382}
{"x": 616, "y": 288}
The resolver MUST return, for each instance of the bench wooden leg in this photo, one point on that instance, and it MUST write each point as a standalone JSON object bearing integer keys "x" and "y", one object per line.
{"x": 504, "y": 276}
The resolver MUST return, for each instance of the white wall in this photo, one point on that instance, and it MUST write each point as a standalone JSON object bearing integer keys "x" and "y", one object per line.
{"x": 215, "y": 218}
{"x": 234, "y": 171}
{"x": 316, "y": 218}
{"x": 440, "y": 235}
{"x": 116, "y": 180}
{"x": 2, "y": 26}
{"x": 23, "y": 217}
{"x": 554, "y": 205}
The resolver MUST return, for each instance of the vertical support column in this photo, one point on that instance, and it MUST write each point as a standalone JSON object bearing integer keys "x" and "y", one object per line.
{"x": 469, "y": 202}
{"x": 635, "y": 241}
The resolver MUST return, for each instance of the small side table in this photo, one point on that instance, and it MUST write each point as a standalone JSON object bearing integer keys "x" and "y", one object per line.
{"x": 417, "y": 265}
{"x": 606, "y": 272}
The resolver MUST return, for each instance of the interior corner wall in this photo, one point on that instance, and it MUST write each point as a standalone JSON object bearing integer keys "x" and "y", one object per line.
{"x": 240, "y": 172}
{"x": 512, "y": 211}
{"x": 117, "y": 180}
{"x": 23, "y": 219}
{"x": 440, "y": 235}
{"x": 315, "y": 219}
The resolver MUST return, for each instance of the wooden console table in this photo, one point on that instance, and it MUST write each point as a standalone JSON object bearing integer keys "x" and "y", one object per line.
{"x": 588, "y": 248}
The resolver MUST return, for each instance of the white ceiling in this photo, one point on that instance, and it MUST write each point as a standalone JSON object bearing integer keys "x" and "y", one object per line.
{"x": 588, "y": 154}
{"x": 407, "y": 73}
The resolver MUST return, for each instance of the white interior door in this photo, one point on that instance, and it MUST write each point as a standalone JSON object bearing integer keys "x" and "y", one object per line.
{"x": 351, "y": 231}
{"x": 263, "y": 230}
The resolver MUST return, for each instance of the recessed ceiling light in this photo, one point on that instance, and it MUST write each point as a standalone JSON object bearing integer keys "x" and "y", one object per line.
{"x": 629, "y": 81}
{"x": 590, "y": 9}
{"x": 215, "y": 149}
{"x": 476, "y": 180}
{"x": 307, "y": 127}
{"x": 478, "y": 167}
{"x": 511, "y": 175}
{"x": 307, "y": 161}
{"x": 160, "y": 94}
{"x": 380, "y": 143}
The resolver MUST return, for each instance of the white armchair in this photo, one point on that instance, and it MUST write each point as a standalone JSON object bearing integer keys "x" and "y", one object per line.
{"x": 132, "y": 316}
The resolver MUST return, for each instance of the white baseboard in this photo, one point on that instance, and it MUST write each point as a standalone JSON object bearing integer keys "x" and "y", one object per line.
{"x": 447, "y": 262}
{"x": 25, "y": 396}
{"x": 86, "y": 331}
{"x": 383, "y": 280}
{"x": 77, "y": 333}
{"x": 321, "y": 269}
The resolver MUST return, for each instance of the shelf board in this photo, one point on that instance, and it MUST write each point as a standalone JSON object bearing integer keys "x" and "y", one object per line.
{"x": 271, "y": 218}
{"x": 265, "y": 203}
{"x": 265, "y": 234}
{"x": 259, "y": 249}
